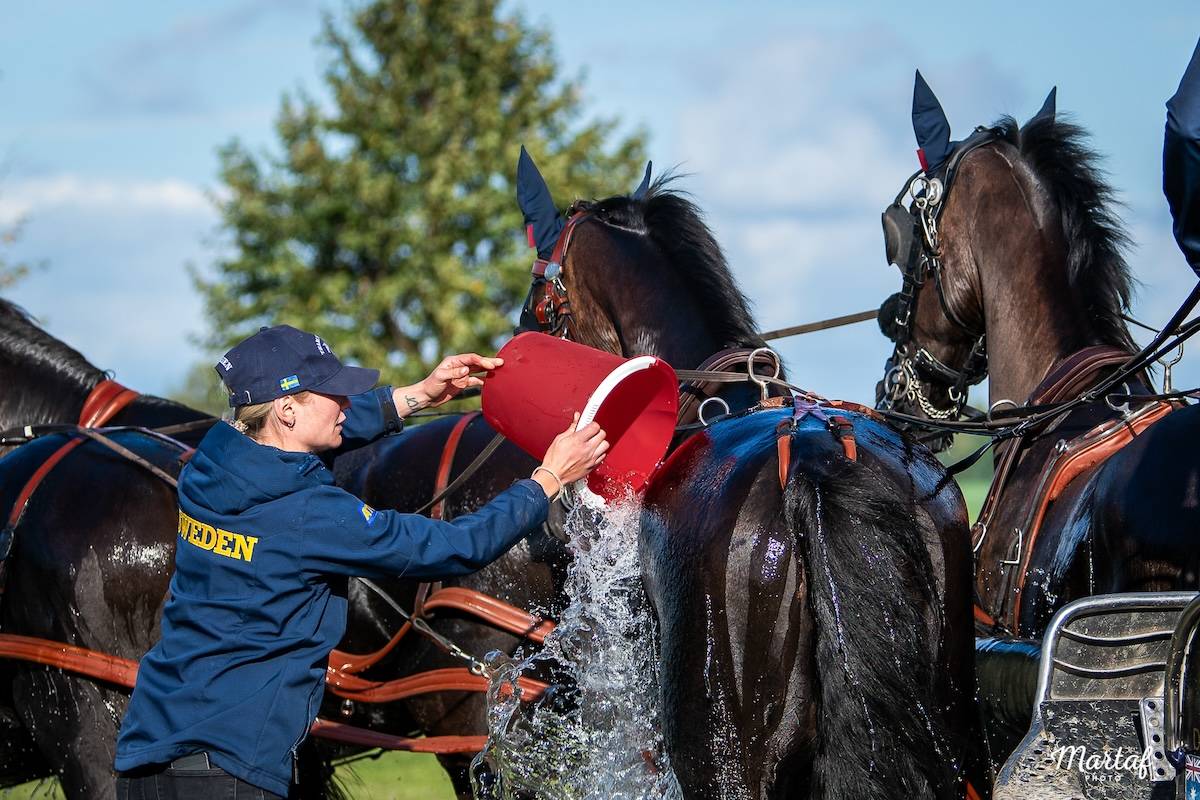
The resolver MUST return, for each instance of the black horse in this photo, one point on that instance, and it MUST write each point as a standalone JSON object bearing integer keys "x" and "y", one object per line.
{"x": 1027, "y": 250}
{"x": 89, "y": 560}
{"x": 815, "y": 639}
{"x": 674, "y": 303}
{"x": 46, "y": 382}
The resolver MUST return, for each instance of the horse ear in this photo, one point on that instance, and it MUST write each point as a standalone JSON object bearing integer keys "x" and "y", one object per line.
{"x": 930, "y": 125}
{"x": 1183, "y": 109}
{"x": 640, "y": 191}
{"x": 542, "y": 221}
{"x": 1049, "y": 106}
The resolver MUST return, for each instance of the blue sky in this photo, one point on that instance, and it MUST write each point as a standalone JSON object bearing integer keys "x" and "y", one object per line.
{"x": 791, "y": 119}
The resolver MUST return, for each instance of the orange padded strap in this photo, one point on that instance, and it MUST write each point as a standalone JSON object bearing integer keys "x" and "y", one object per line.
{"x": 441, "y": 745}
{"x": 36, "y": 478}
{"x": 111, "y": 669}
{"x": 450, "y": 679}
{"x": 1070, "y": 468}
{"x": 491, "y": 610}
{"x": 105, "y": 402}
{"x": 447, "y": 462}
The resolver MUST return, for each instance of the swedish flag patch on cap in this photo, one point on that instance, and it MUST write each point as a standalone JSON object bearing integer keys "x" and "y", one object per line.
{"x": 369, "y": 513}
{"x": 290, "y": 382}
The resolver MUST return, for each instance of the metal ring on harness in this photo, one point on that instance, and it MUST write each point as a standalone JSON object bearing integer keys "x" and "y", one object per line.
{"x": 983, "y": 531}
{"x": 762, "y": 384}
{"x": 700, "y": 410}
{"x": 1123, "y": 408}
{"x": 1001, "y": 402}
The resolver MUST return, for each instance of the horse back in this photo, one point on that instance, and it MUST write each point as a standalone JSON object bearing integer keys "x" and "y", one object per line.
{"x": 742, "y": 600}
{"x": 94, "y": 544}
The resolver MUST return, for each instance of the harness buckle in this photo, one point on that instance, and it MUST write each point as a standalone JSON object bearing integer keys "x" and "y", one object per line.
{"x": 763, "y": 383}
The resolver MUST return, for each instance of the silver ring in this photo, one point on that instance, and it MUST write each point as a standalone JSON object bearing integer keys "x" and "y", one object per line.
{"x": 700, "y": 411}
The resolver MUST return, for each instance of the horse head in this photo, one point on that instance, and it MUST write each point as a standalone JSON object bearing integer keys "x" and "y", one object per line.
{"x": 631, "y": 274}
{"x": 1012, "y": 228}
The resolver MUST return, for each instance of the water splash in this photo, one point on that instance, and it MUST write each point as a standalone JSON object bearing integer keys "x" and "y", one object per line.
{"x": 595, "y": 734}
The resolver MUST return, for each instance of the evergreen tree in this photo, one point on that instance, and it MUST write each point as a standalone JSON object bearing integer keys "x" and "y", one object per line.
{"x": 389, "y": 223}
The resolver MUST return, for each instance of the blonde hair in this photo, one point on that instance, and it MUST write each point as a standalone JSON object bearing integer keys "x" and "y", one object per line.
{"x": 251, "y": 419}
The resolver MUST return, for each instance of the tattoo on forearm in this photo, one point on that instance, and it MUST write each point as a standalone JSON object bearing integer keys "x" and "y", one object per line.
{"x": 412, "y": 402}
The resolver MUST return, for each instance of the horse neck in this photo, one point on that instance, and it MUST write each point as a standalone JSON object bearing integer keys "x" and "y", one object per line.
{"x": 1031, "y": 316}
{"x": 39, "y": 392}
{"x": 635, "y": 307}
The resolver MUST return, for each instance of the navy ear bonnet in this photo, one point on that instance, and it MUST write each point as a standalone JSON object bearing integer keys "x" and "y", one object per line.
{"x": 640, "y": 192}
{"x": 930, "y": 125}
{"x": 542, "y": 221}
{"x": 933, "y": 129}
{"x": 1049, "y": 105}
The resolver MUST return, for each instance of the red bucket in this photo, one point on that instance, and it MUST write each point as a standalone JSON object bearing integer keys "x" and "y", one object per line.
{"x": 545, "y": 380}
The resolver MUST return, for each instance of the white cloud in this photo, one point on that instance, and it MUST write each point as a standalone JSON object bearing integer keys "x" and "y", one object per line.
{"x": 27, "y": 197}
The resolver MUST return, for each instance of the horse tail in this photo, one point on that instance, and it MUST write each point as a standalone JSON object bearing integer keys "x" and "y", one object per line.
{"x": 881, "y": 729}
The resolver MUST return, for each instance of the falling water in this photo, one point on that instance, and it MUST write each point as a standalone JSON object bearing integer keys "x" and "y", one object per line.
{"x": 595, "y": 734}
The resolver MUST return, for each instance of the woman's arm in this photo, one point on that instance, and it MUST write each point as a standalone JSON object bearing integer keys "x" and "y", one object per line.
{"x": 446, "y": 381}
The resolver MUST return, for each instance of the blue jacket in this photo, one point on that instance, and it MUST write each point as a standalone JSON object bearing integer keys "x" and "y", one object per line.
{"x": 255, "y": 604}
{"x": 1181, "y": 161}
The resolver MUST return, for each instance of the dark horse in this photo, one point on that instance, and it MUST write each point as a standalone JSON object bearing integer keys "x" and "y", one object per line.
{"x": 89, "y": 561}
{"x": 1028, "y": 252}
{"x": 814, "y": 639}
{"x": 46, "y": 382}
{"x": 664, "y": 258}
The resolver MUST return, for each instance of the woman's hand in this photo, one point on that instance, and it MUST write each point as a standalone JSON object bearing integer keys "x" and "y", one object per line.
{"x": 572, "y": 455}
{"x": 446, "y": 381}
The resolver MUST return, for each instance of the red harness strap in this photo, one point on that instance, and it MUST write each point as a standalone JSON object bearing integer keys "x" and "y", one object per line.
{"x": 841, "y": 428}
{"x": 560, "y": 246}
{"x": 1082, "y": 454}
{"x": 123, "y": 672}
{"x": 449, "y": 450}
{"x": 441, "y": 745}
{"x": 107, "y": 399}
{"x": 104, "y": 402}
{"x": 450, "y": 679}
{"x": 489, "y": 609}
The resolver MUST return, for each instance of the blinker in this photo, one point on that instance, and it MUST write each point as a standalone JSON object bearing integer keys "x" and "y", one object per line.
{"x": 900, "y": 237}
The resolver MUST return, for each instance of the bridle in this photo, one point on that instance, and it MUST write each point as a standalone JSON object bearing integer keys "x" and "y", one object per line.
{"x": 551, "y": 314}
{"x": 911, "y": 239}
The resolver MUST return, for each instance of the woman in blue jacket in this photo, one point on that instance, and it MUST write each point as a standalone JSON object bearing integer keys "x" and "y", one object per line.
{"x": 1181, "y": 161}
{"x": 227, "y": 695}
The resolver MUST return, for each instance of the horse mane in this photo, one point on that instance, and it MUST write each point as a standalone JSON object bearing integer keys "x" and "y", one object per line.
{"x": 24, "y": 342}
{"x": 677, "y": 228}
{"x": 1058, "y": 152}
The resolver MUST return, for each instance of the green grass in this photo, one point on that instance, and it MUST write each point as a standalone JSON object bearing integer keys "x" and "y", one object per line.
{"x": 974, "y": 482}
{"x": 396, "y": 776}
{"x": 392, "y": 776}
{"x": 46, "y": 789}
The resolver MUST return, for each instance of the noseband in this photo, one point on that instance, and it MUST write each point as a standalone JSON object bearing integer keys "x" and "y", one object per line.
{"x": 552, "y": 313}
{"x": 911, "y": 238}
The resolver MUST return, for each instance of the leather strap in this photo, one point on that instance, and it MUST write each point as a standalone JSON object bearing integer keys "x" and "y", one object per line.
{"x": 1067, "y": 378}
{"x": 105, "y": 401}
{"x": 361, "y": 737}
{"x": 1083, "y": 453}
{"x": 490, "y": 610}
{"x": 693, "y": 392}
{"x": 560, "y": 246}
{"x": 122, "y": 672}
{"x": 446, "y": 463}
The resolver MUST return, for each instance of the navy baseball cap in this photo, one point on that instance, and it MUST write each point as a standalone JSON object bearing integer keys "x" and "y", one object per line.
{"x": 284, "y": 360}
